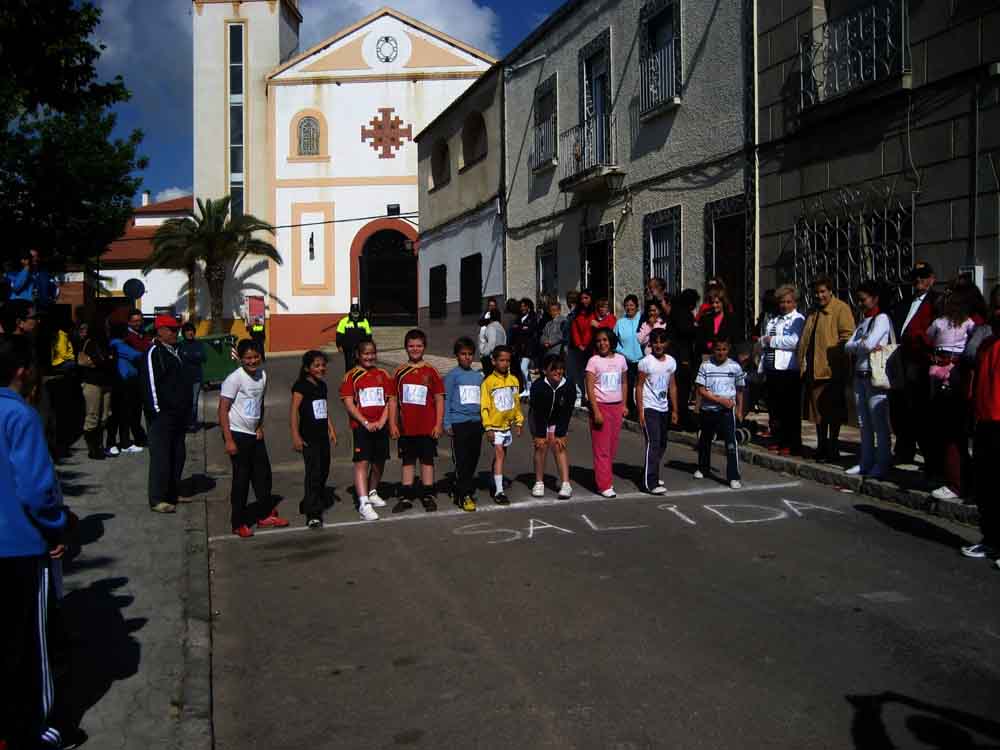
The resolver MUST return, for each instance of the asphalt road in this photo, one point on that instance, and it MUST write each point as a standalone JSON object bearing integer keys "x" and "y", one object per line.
{"x": 784, "y": 615}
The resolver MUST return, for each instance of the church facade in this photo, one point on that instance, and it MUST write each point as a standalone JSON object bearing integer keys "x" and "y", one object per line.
{"x": 320, "y": 144}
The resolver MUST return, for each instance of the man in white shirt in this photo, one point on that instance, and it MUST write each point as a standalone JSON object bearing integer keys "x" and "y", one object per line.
{"x": 908, "y": 406}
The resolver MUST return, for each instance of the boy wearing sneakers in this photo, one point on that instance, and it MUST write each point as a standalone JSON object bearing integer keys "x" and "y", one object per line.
{"x": 656, "y": 402}
{"x": 241, "y": 420}
{"x": 463, "y": 421}
{"x": 500, "y": 406}
{"x": 720, "y": 383}
{"x": 418, "y": 421}
{"x": 369, "y": 396}
{"x": 551, "y": 401}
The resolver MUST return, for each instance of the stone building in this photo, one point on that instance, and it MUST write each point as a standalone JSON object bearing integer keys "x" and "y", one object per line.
{"x": 626, "y": 151}
{"x": 878, "y": 130}
{"x": 461, "y": 218}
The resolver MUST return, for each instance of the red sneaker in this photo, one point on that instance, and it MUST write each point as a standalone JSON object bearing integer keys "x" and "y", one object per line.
{"x": 243, "y": 532}
{"x": 273, "y": 521}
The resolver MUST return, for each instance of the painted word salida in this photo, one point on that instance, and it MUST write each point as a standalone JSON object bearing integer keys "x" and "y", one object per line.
{"x": 735, "y": 514}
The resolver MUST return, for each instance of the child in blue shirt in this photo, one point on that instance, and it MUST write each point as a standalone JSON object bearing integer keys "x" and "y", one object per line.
{"x": 721, "y": 383}
{"x": 463, "y": 421}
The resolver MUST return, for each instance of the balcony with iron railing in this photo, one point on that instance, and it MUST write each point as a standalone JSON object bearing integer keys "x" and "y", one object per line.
{"x": 659, "y": 87}
{"x": 543, "y": 151}
{"x": 589, "y": 155}
{"x": 870, "y": 45}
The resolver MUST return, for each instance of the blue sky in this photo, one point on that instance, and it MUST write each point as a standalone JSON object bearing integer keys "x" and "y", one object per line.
{"x": 148, "y": 42}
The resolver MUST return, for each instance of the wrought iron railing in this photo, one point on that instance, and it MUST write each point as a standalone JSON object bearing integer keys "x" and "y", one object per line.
{"x": 544, "y": 147}
{"x": 590, "y": 144}
{"x": 657, "y": 79}
{"x": 852, "y": 244}
{"x": 871, "y": 44}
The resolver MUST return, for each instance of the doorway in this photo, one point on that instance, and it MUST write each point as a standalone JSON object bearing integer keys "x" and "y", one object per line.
{"x": 388, "y": 275}
{"x": 596, "y": 272}
{"x": 728, "y": 262}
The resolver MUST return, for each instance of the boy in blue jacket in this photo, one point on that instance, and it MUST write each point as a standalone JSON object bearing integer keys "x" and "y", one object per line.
{"x": 32, "y": 523}
{"x": 462, "y": 420}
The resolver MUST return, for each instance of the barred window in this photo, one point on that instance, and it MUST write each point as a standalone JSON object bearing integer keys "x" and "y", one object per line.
{"x": 309, "y": 137}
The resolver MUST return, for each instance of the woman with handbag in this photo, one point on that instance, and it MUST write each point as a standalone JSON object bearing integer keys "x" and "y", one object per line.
{"x": 825, "y": 367}
{"x": 871, "y": 391}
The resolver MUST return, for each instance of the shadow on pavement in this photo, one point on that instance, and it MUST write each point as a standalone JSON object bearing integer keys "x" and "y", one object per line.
{"x": 196, "y": 484}
{"x": 933, "y": 727}
{"x": 913, "y": 525}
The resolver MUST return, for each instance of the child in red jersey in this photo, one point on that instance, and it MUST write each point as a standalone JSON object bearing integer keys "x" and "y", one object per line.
{"x": 369, "y": 396}
{"x": 418, "y": 421}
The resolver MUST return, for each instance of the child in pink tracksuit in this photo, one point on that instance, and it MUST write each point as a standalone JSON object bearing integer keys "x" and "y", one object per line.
{"x": 607, "y": 389}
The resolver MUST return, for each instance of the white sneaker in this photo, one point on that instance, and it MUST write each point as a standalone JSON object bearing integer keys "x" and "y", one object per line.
{"x": 375, "y": 500}
{"x": 660, "y": 482}
{"x": 367, "y": 512}
{"x": 609, "y": 492}
{"x": 565, "y": 491}
{"x": 659, "y": 490}
{"x": 736, "y": 484}
{"x": 112, "y": 451}
{"x": 945, "y": 493}
{"x": 978, "y": 551}
{"x": 132, "y": 449}
{"x": 538, "y": 490}
{"x": 853, "y": 471}
{"x": 699, "y": 475}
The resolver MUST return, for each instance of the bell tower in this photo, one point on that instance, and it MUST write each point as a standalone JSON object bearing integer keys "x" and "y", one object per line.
{"x": 236, "y": 44}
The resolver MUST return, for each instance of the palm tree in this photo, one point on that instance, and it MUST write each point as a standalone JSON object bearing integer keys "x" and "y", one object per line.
{"x": 214, "y": 239}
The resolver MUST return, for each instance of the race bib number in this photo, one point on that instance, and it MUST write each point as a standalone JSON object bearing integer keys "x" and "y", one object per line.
{"x": 251, "y": 408}
{"x": 468, "y": 395}
{"x": 610, "y": 382}
{"x": 503, "y": 399}
{"x": 414, "y": 394}
{"x": 319, "y": 409}
{"x": 371, "y": 397}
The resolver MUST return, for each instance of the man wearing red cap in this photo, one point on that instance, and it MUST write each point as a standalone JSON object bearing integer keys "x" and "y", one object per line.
{"x": 168, "y": 406}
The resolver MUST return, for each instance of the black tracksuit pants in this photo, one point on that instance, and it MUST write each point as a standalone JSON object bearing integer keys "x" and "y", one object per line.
{"x": 167, "y": 454}
{"x": 131, "y": 413}
{"x": 657, "y": 432}
{"x": 316, "y": 456}
{"x": 784, "y": 401}
{"x": 721, "y": 423}
{"x": 26, "y": 681}
{"x": 251, "y": 466}
{"x": 465, "y": 448}
{"x": 985, "y": 449}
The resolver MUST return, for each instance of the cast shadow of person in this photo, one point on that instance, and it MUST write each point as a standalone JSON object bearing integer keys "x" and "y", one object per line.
{"x": 102, "y": 647}
{"x": 934, "y": 726}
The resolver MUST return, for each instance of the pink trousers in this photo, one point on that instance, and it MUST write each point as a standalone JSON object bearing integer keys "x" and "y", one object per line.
{"x": 604, "y": 443}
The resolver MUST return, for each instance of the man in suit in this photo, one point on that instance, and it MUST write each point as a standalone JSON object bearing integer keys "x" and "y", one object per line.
{"x": 909, "y": 405}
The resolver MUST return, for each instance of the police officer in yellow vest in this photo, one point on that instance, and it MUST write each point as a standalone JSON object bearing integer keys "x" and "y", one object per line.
{"x": 257, "y": 334}
{"x": 352, "y": 329}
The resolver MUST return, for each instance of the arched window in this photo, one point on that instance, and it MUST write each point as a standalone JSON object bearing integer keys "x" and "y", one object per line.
{"x": 440, "y": 165}
{"x": 308, "y": 136}
{"x": 474, "y": 142}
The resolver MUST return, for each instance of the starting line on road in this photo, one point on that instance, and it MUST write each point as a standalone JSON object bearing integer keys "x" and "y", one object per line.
{"x": 529, "y": 504}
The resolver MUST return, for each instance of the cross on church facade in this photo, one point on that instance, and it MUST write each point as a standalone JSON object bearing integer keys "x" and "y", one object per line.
{"x": 386, "y": 133}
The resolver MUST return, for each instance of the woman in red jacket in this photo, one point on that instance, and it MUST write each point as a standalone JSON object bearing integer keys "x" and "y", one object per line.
{"x": 580, "y": 335}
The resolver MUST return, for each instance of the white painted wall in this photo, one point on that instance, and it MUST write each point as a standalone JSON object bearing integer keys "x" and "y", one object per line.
{"x": 479, "y": 233}
{"x": 163, "y": 288}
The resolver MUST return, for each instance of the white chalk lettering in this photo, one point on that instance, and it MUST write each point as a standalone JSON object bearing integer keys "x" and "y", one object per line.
{"x": 673, "y": 509}
{"x": 742, "y": 513}
{"x": 474, "y": 529}
{"x": 796, "y": 507}
{"x": 594, "y": 527}
{"x": 535, "y": 524}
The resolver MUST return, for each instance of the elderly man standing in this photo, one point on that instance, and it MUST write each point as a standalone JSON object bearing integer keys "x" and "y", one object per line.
{"x": 168, "y": 409}
{"x": 909, "y": 405}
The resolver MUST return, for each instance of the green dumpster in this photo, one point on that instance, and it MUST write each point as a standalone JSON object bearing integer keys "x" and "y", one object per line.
{"x": 219, "y": 362}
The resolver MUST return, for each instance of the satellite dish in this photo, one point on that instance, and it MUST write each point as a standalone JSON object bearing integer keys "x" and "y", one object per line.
{"x": 134, "y": 289}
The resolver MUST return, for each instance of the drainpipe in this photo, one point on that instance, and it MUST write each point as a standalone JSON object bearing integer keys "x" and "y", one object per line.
{"x": 970, "y": 253}
{"x": 502, "y": 188}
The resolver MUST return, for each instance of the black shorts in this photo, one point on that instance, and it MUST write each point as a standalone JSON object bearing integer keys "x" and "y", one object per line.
{"x": 371, "y": 446}
{"x": 422, "y": 448}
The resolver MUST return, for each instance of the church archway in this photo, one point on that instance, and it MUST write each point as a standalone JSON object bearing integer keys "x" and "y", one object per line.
{"x": 384, "y": 271}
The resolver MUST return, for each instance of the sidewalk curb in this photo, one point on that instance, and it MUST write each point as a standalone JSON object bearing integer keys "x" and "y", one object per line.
{"x": 194, "y": 704}
{"x": 834, "y": 476}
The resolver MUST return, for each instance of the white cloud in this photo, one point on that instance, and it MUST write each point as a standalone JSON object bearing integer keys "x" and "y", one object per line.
{"x": 467, "y": 20}
{"x": 168, "y": 194}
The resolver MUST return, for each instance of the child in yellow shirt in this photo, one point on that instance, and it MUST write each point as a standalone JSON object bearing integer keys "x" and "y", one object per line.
{"x": 501, "y": 410}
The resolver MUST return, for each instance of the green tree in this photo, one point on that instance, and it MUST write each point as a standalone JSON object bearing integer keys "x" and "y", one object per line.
{"x": 66, "y": 184}
{"x": 212, "y": 239}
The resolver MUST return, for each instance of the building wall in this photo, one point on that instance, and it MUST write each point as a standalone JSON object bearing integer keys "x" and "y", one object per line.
{"x": 883, "y": 140}
{"x": 163, "y": 288}
{"x": 685, "y": 157}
